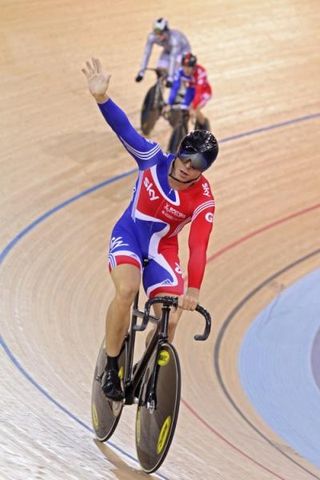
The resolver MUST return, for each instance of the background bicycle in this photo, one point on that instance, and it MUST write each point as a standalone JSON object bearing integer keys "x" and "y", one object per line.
{"x": 154, "y": 106}
{"x": 181, "y": 123}
{"x": 178, "y": 118}
{"x": 153, "y": 102}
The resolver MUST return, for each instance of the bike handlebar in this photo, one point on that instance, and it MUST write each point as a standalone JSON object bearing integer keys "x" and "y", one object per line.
{"x": 173, "y": 302}
{"x": 158, "y": 71}
{"x": 207, "y": 318}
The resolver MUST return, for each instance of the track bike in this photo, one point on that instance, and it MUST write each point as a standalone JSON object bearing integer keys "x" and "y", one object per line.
{"x": 154, "y": 384}
{"x": 179, "y": 118}
{"x": 153, "y": 108}
{"x": 153, "y": 102}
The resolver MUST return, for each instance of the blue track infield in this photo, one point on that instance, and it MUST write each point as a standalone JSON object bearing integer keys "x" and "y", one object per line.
{"x": 279, "y": 366}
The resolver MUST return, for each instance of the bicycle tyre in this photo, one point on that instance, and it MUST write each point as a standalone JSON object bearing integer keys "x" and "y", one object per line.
{"x": 105, "y": 413}
{"x": 155, "y": 430}
{"x": 205, "y": 126}
{"x": 149, "y": 112}
{"x": 175, "y": 138}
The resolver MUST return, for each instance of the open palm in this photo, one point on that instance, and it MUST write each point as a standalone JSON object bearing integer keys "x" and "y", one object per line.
{"x": 98, "y": 81}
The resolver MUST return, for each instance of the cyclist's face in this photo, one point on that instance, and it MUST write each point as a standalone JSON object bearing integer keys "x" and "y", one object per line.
{"x": 187, "y": 71}
{"x": 160, "y": 34}
{"x": 184, "y": 171}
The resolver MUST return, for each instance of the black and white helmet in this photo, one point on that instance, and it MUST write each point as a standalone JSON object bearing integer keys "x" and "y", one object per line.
{"x": 160, "y": 25}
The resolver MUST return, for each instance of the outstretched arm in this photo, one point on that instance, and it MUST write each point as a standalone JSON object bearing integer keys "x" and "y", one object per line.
{"x": 145, "y": 152}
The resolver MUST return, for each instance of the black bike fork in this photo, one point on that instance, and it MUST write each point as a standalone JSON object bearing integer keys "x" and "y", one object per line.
{"x": 151, "y": 397}
{"x": 129, "y": 357}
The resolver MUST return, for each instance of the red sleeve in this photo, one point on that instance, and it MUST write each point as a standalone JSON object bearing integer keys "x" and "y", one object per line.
{"x": 201, "y": 76}
{"x": 201, "y": 226}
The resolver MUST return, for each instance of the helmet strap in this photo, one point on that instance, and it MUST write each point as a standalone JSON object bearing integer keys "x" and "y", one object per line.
{"x": 182, "y": 181}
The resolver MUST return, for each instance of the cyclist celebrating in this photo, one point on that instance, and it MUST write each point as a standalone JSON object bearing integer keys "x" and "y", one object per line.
{"x": 191, "y": 83}
{"x": 174, "y": 44}
{"x": 170, "y": 192}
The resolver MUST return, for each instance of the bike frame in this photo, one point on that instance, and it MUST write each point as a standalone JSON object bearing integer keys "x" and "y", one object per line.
{"x": 159, "y": 84}
{"x": 160, "y": 336}
{"x": 158, "y": 99}
{"x": 131, "y": 380}
{"x": 158, "y": 406}
{"x": 152, "y": 103}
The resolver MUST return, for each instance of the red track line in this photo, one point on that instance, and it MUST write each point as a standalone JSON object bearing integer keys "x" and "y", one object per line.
{"x": 261, "y": 230}
{"x": 210, "y": 259}
{"x": 227, "y": 441}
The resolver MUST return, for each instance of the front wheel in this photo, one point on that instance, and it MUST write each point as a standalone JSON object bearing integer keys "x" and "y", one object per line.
{"x": 105, "y": 413}
{"x": 158, "y": 408}
{"x": 151, "y": 110}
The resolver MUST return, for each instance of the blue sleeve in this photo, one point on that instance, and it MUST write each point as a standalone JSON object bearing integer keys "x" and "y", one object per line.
{"x": 174, "y": 89}
{"x": 145, "y": 152}
{"x": 189, "y": 96}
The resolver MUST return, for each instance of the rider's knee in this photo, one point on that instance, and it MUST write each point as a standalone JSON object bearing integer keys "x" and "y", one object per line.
{"x": 126, "y": 293}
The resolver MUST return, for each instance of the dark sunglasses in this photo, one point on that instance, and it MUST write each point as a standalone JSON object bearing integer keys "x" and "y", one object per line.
{"x": 186, "y": 160}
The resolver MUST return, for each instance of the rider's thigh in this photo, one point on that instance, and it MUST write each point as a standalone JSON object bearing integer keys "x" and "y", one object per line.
{"x": 163, "y": 61}
{"x": 126, "y": 279}
{"x": 201, "y": 100}
{"x": 163, "y": 272}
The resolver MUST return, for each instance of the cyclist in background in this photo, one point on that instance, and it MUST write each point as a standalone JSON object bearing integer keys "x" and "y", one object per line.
{"x": 174, "y": 44}
{"x": 170, "y": 192}
{"x": 191, "y": 89}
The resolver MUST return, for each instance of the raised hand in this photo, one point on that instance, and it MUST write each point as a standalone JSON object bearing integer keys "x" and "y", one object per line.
{"x": 98, "y": 81}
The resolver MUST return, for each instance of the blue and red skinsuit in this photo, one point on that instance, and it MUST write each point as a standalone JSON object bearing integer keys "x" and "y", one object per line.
{"x": 149, "y": 227}
{"x": 197, "y": 88}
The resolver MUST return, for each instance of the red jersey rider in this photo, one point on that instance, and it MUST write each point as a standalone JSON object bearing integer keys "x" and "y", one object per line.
{"x": 192, "y": 80}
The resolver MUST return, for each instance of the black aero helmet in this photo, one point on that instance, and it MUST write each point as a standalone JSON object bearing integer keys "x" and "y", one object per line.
{"x": 199, "y": 146}
{"x": 189, "y": 60}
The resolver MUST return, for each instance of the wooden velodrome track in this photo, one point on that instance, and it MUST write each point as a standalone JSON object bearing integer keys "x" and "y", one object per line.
{"x": 263, "y": 60}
